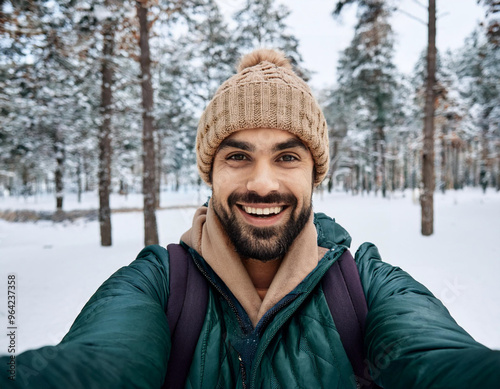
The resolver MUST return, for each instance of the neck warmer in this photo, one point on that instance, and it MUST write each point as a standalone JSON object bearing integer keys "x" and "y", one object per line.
{"x": 208, "y": 238}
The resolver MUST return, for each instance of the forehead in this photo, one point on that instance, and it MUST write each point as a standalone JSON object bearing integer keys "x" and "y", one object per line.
{"x": 262, "y": 139}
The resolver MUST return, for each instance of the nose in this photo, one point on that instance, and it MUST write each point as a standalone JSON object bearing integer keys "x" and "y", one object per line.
{"x": 262, "y": 179}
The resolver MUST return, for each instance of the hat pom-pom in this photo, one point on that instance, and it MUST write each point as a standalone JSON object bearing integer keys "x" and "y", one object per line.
{"x": 256, "y": 57}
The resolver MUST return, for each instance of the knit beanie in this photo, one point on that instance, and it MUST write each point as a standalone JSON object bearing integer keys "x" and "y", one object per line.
{"x": 265, "y": 93}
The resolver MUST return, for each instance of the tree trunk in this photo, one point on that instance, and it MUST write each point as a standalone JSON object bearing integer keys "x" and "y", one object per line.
{"x": 79, "y": 183}
{"x": 87, "y": 173}
{"x": 380, "y": 173}
{"x": 406, "y": 174}
{"x": 394, "y": 175}
{"x": 159, "y": 149}
{"x": 368, "y": 174}
{"x": 59, "y": 173}
{"x": 484, "y": 164}
{"x": 498, "y": 166}
{"x": 444, "y": 171}
{"x": 105, "y": 134}
{"x": 334, "y": 152}
{"x": 455, "y": 150}
{"x": 427, "y": 195}
{"x": 25, "y": 179}
{"x": 148, "y": 131}
{"x": 375, "y": 160}
{"x": 358, "y": 172}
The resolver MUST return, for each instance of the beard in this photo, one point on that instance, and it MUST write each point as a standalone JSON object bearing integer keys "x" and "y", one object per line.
{"x": 262, "y": 243}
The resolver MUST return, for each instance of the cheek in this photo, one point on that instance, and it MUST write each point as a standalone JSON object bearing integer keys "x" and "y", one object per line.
{"x": 307, "y": 191}
{"x": 300, "y": 183}
{"x": 225, "y": 177}
{"x": 224, "y": 181}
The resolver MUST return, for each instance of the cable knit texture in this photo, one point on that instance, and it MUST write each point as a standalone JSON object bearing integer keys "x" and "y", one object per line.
{"x": 265, "y": 93}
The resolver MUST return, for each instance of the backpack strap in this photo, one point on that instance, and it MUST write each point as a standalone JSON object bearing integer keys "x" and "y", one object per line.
{"x": 186, "y": 308}
{"x": 346, "y": 300}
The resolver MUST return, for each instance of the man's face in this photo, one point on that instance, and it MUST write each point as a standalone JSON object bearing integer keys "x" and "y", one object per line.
{"x": 262, "y": 182}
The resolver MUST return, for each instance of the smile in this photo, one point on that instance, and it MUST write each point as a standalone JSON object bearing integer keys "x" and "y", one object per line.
{"x": 262, "y": 211}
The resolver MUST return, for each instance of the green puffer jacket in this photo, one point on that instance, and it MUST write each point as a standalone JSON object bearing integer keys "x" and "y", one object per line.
{"x": 121, "y": 337}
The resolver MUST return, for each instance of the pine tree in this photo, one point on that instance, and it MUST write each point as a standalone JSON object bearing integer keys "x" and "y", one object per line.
{"x": 196, "y": 55}
{"x": 340, "y": 119}
{"x": 450, "y": 110}
{"x": 478, "y": 67}
{"x": 212, "y": 51}
{"x": 260, "y": 23}
{"x": 41, "y": 34}
{"x": 366, "y": 76}
{"x": 176, "y": 112}
{"x": 492, "y": 22}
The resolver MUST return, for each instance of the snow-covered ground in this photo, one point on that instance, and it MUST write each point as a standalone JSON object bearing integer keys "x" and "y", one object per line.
{"x": 59, "y": 266}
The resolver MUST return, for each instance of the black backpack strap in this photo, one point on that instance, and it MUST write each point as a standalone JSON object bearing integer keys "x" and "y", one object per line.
{"x": 346, "y": 300}
{"x": 186, "y": 308}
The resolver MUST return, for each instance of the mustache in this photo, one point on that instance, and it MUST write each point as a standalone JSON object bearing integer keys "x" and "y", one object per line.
{"x": 254, "y": 198}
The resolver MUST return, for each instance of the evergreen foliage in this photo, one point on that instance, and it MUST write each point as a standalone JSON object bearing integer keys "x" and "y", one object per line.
{"x": 51, "y": 56}
{"x": 261, "y": 23}
{"x": 367, "y": 80}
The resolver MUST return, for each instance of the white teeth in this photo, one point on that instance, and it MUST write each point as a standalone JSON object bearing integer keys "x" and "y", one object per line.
{"x": 262, "y": 211}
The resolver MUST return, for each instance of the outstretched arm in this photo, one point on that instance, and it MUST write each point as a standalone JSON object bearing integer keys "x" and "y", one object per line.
{"x": 411, "y": 339}
{"x": 120, "y": 339}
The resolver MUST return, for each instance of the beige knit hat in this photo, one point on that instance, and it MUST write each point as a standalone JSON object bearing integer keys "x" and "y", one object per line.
{"x": 265, "y": 93}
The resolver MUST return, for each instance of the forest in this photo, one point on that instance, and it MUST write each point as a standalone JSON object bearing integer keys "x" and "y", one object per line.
{"x": 105, "y": 95}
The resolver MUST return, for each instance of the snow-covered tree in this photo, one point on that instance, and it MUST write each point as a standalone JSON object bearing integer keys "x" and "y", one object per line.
{"x": 478, "y": 68}
{"x": 45, "y": 72}
{"x": 492, "y": 22}
{"x": 367, "y": 78}
{"x": 262, "y": 23}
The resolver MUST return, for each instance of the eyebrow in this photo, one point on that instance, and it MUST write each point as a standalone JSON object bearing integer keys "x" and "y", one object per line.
{"x": 246, "y": 146}
{"x": 236, "y": 144}
{"x": 289, "y": 144}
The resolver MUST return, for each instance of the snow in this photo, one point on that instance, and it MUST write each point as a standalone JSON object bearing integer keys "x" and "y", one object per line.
{"x": 59, "y": 266}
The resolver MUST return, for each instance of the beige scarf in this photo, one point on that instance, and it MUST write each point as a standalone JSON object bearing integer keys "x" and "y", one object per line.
{"x": 208, "y": 238}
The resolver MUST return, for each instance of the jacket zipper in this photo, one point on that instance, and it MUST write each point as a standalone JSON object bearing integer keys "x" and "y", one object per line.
{"x": 269, "y": 338}
{"x": 242, "y": 326}
{"x": 272, "y": 313}
{"x": 226, "y": 297}
{"x": 243, "y": 372}
{"x": 240, "y": 321}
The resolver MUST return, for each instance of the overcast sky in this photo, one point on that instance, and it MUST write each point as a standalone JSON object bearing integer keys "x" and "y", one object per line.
{"x": 322, "y": 37}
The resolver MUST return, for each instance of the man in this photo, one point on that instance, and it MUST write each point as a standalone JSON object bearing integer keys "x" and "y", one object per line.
{"x": 262, "y": 146}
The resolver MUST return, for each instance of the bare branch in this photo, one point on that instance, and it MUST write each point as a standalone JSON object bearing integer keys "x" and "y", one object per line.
{"x": 420, "y": 4}
{"x": 412, "y": 16}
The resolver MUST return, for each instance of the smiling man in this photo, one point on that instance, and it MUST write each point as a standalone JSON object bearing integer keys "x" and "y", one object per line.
{"x": 270, "y": 296}
{"x": 262, "y": 187}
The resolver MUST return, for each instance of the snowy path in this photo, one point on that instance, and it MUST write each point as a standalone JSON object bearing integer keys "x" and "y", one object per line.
{"x": 59, "y": 266}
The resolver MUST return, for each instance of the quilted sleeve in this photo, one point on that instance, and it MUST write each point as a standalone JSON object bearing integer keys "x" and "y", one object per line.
{"x": 120, "y": 339}
{"x": 411, "y": 340}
